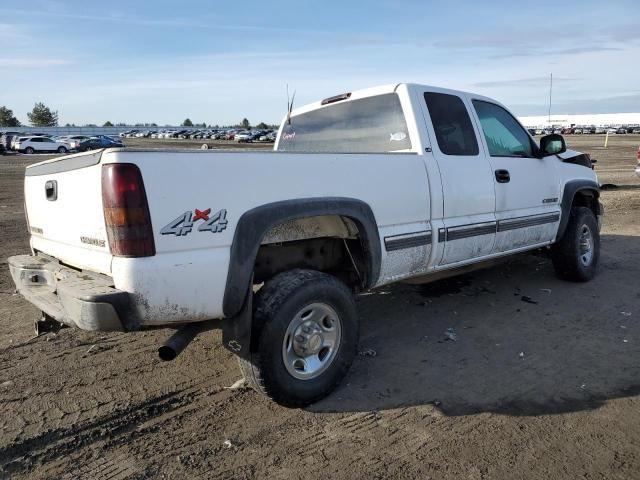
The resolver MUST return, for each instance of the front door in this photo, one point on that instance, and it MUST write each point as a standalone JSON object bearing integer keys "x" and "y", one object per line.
{"x": 527, "y": 187}
{"x": 467, "y": 180}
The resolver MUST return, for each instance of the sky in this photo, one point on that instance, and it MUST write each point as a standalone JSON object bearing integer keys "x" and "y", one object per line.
{"x": 162, "y": 61}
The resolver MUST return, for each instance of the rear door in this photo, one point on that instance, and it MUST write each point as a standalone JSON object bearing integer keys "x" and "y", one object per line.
{"x": 48, "y": 144}
{"x": 527, "y": 187}
{"x": 467, "y": 183}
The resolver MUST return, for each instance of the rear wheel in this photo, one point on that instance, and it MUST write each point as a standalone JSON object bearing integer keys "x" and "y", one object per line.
{"x": 305, "y": 337}
{"x": 575, "y": 257}
{"x": 29, "y": 150}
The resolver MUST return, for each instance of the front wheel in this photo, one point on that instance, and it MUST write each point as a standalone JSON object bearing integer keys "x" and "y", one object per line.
{"x": 62, "y": 150}
{"x": 305, "y": 336}
{"x": 575, "y": 257}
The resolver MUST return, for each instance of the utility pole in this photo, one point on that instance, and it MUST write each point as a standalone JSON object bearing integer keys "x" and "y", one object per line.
{"x": 550, "y": 90}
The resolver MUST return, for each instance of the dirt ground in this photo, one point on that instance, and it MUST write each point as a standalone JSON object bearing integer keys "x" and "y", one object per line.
{"x": 529, "y": 390}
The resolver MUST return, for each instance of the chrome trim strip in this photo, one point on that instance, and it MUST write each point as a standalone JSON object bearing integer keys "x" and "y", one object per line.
{"x": 407, "y": 240}
{"x": 524, "y": 222}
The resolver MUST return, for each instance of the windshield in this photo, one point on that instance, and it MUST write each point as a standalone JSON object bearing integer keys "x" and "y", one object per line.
{"x": 367, "y": 125}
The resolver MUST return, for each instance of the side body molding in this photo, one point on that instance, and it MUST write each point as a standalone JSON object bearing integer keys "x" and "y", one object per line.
{"x": 255, "y": 223}
{"x": 570, "y": 189}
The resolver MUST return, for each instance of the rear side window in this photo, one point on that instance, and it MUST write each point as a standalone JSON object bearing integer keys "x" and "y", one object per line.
{"x": 452, "y": 124}
{"x": 505, "y": 136}
{"x": 367, "y": 125}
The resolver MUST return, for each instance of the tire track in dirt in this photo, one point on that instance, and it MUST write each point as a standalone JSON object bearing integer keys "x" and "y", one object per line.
{"x": 24, "y": 455}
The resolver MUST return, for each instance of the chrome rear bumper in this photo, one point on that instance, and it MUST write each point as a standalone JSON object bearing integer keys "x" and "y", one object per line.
{"x": 80, "y": 299}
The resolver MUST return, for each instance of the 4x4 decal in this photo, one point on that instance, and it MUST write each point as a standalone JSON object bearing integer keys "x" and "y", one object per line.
{"x": 183, "y": 224}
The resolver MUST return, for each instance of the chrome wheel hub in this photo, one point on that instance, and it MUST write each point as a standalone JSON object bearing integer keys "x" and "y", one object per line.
{"x": 586, "y": 246}
{"x": 311, "y": 341}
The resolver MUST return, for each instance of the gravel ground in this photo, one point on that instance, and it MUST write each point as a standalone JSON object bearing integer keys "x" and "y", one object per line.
{"x": 544, "y": 390}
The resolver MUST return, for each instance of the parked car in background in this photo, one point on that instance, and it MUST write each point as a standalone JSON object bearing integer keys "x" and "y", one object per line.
{"x": 6, "y": 139}
{"x": 600, "y": 130}
{"x": 39, "y": 144}
{"x": 636, "y": 130}
{"x": 243, "y": 137}
{"x": 568, "y": 131}
{"x": 99, "y": 142}
{"x": 621, "y": 131}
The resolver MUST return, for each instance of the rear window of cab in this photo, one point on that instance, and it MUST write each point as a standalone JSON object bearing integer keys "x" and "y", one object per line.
{"x": 366, "y": 125}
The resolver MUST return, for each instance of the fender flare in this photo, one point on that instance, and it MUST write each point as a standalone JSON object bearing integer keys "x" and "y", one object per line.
{"x": 571, "y": 188}
{"x": 255, "y": 223}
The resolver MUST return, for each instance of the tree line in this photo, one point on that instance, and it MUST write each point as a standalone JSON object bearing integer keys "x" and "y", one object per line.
{"x": 43, "y": 116}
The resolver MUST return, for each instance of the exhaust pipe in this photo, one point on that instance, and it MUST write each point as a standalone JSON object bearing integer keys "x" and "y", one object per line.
{"x": 179, "y": 340}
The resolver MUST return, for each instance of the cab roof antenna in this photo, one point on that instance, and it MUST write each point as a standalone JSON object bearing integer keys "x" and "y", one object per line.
{"x": 290, "y": 104}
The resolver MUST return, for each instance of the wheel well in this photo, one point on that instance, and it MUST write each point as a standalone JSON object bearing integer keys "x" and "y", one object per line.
{"x": 587, "y": 198}
{"x": 327, "y": 243}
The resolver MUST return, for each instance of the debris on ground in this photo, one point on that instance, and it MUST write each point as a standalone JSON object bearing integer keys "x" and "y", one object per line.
{"x": 237, "y": 385}
{"x": 625, "y": 341}
{"x": 626, "y": 314}
{"x": 91, "y": 348}
{"x": 6, "y": 384}
{"x": 369, "y": 352}
{"x": 228, "y": 444}
{"x": 450, "y": 334}
{"x": 521, "y": 354}
{"x": 527, "y": 299}
{"x": 545, "y": 290}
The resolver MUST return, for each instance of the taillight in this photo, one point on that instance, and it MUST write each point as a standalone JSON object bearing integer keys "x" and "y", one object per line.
{"x": 126, "y": 212}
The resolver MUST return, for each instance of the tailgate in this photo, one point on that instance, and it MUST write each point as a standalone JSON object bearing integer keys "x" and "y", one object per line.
{"x": 63, "y": 200}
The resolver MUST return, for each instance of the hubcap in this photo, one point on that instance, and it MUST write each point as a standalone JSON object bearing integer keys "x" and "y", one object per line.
{"x": 311, "y": 341}
{"x": 586, "y": 246}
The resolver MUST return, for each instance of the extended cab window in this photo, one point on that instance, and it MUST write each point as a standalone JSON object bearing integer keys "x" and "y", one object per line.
{"x": 505, "y": 136}
{"x": 367, "y": 125}
{"x": 452, "y": 124}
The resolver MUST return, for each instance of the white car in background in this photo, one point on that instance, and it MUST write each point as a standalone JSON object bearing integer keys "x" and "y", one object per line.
{"x": 31, "y": 145}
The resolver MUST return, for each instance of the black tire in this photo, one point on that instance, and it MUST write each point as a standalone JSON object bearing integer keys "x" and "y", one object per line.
{"x": 29, "y": 151}
{"x": 568, "y": 255}
{"x": 276, "y": 305}
{"x": 62, "y": 150}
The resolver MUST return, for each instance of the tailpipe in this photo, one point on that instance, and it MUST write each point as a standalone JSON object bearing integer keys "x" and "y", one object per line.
{"x": 179, "y": 340}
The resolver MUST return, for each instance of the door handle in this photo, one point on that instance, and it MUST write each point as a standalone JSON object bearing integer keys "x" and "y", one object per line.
{"x": 502, "y": 176}
{"x": 51, "y": 190}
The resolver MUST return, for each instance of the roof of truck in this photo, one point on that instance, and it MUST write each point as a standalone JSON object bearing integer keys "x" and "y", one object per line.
{"x": 380, "y": 90}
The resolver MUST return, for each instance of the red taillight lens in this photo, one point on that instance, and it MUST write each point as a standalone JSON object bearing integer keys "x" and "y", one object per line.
{"x": 126, "y": 212}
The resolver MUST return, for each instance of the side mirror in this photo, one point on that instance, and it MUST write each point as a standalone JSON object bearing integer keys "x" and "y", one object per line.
{"x": 552, "y": 144}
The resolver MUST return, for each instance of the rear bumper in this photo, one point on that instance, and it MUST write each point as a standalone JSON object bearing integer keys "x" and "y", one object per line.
{"x": 79, "y": 299}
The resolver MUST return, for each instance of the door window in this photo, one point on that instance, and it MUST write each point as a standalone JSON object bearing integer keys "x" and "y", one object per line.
{"x": 504, "y": 135}
{"x": 452, "y": 124}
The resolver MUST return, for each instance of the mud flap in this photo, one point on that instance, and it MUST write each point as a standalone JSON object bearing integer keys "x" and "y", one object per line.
{"x": 236, "y": 331}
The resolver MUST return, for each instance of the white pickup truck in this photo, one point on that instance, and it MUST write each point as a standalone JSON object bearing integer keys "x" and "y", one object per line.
{"x": 396, "y": 183}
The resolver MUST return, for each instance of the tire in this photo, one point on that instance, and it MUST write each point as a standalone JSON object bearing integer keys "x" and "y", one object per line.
{"x": 29, "y": 151}
{"x": 62, "y": 150}
{"x": 288, "y": 308}
{"x": 575, "y": 257}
